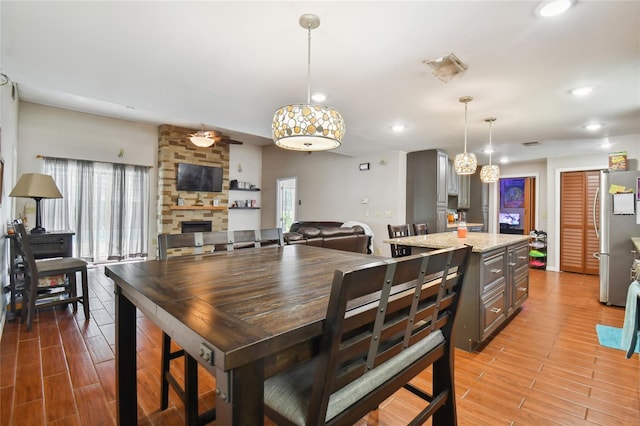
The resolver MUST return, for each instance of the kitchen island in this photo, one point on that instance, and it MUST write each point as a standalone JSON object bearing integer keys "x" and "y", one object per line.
{"x": 496, "y": 284}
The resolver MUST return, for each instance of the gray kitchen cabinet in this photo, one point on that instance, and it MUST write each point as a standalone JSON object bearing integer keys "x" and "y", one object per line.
{"x": 464, "y": 192}
{"x": 497, "y": 284}
{"x": 452, "y": 179}
{"x": 427, "y": 188}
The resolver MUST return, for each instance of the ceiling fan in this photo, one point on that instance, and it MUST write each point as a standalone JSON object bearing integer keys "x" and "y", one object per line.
{"x": 206, "y": 138}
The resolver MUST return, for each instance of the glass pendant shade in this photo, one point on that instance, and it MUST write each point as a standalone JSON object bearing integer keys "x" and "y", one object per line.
{"x": 201, "y": 141}
{"x": 465, "y": 163}
{"x": 308, "y": 127}
{"x": 490, "y": 173}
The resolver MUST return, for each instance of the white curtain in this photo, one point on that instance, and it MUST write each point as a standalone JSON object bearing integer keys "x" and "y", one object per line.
{"x": 105, "y": 204}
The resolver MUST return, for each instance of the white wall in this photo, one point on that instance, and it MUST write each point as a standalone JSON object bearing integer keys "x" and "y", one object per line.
{"x": 56, "y": 132}
{"x": 245, "y": 165}
{"x": 331, "y": 187}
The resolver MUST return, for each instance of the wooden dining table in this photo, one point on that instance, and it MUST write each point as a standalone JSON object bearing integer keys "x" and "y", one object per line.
{"x": 244, "y": 315}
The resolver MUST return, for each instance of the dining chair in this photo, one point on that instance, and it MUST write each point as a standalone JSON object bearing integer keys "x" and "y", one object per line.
{"x": 181, "y": 245}
{"x": 396, "y": 231}
{"x": 60, "y": 277}
{"x": 270, "y": 237}
{"x": 420, "y": 229}
{"x": 385, "y": 323}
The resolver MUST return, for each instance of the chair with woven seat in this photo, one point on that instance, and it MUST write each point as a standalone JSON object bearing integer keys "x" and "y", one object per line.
{"x": 420, "y": 229}
{"x": 56, "y": 292}
{"x": 385, "y": 323}
{"x": 186, "y": 244}
{"x": 396, "y": 231}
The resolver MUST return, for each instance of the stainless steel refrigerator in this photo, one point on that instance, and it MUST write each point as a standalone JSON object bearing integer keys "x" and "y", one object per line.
{"x": 615, "y": 232}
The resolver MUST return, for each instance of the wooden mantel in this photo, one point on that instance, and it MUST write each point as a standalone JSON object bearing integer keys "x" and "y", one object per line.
{"x": 198, "y": 208}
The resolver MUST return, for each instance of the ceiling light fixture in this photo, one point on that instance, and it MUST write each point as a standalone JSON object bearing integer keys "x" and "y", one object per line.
{"x": 582, "y": 91}
{"x": 318, "y": 97}
{"x": 593, "y": 127}
{"x": 398, "y": 127}
{"x": 491, "y": 172}
{"x": 548, "y": 9}
{"x": 201, "y": 138}
{"x": 465, "y": 163}
{"x": 308, "y": 127}
{"x": 446, "y": 67}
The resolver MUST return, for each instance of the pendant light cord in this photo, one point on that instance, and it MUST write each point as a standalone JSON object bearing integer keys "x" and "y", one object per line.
{"x": 309, "y": 65}
{"x": 466, "y": 104}
{"x": 490, "y": 143}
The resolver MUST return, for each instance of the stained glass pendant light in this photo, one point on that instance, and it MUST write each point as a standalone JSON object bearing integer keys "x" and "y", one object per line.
{"x": 465, "y": 163}
{"x": 308, "y": 127}
{"x": 491, "y": 172}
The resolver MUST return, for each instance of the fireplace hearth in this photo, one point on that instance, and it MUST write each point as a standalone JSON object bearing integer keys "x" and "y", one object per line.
{"x": 196, "y": 226}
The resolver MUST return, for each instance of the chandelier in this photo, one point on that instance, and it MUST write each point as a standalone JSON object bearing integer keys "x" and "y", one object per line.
{"x": 308, "y": 127}
{"x": 490, "y": 173}
{"x": 465, "y": 163}
{"x": 201, "y": 138}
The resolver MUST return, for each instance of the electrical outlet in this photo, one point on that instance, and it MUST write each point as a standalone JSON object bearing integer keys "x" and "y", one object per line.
{"x": 364, "y": 201}
{"x": 388, "y": 213}
{"x": 377, "y": 213}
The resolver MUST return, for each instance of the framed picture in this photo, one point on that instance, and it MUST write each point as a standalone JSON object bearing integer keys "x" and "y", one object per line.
{"x": 512, "y": 193}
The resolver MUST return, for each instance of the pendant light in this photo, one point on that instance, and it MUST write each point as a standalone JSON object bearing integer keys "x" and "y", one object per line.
{"x": 308, "y": 127}
{"x": 490, "y": 173}
{"x": 201, "y": 138}
{"x": 465, "y": 163}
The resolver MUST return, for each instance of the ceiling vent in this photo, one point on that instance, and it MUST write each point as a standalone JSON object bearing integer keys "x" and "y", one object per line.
{"x": 534, "y": 143}
{"x": 446, "y": 67}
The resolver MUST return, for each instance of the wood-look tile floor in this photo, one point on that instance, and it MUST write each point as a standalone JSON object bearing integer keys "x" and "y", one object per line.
{"x": 544, "y": 368}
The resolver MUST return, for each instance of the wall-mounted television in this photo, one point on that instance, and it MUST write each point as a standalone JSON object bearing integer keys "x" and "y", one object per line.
{"x": 509, "y": 218}
{"x": 194, "y": 177}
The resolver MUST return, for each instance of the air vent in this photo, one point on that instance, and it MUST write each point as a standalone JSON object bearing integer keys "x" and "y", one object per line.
{"x": 446, "y": 67}
{"x": 534, "y": 143}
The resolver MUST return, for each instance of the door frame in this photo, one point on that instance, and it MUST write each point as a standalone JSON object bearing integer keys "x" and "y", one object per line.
{"x": 494, "y": 200}
{"x": 279, "y": 199}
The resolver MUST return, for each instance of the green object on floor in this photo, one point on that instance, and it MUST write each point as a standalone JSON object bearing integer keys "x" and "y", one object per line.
{"x": 536, "y": 253}
{"x": 611, "y": 337}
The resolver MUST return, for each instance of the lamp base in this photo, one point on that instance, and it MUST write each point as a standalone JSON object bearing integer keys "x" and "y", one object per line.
{"x": 38, "y": 230}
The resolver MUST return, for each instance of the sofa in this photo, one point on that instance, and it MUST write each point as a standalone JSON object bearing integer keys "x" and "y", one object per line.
{"x": 329, "y": 235}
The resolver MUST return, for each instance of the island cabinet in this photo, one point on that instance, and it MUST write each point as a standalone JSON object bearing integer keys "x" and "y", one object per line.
{"x": 497, "y": 283}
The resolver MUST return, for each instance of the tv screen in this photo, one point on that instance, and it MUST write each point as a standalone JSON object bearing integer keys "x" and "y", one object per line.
{"x": 510, "y": 218}
{"x": 193, "y": 177}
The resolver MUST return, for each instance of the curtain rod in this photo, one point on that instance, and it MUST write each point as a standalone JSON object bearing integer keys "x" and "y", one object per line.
{"x": 95, "y": 161}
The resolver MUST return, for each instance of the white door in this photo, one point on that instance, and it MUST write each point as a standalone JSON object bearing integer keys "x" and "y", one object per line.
{"x": 286, "y": 202}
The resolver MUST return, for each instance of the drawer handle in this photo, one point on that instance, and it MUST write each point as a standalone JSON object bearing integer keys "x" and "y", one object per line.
{"x": 512, "y": 263}
{"x": 522, "y": 257}
{"x": 496, "y": 310}
{"x": 523, "y": 289}
{"x": 496, "y": 271}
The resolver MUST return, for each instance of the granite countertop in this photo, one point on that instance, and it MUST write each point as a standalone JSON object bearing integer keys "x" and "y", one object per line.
{"x": 636, "y": 244}
{"x": 481, "y": 241}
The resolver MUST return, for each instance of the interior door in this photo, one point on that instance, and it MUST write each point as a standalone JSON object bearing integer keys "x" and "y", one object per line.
{"x": 286, "y": 202}
{"x": 578, "y": 240}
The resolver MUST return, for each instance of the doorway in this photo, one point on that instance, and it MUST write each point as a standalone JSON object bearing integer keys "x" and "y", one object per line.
{"x": 517, "y": 200}
{"x": 286, "y": 202}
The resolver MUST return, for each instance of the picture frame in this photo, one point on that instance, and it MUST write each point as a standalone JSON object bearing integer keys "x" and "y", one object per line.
{"x": 512, "y": 193}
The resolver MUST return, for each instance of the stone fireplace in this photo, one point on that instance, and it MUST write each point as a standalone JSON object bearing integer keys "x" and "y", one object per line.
{"x": 195, "y": 226}
{"x": 174, "y": 147}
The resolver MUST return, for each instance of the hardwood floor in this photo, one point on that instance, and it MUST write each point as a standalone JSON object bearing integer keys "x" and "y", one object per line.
{"x": 544, "y": 368}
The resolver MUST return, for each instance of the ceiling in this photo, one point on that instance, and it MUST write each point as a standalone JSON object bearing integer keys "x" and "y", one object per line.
{"x": 229, "y": 65}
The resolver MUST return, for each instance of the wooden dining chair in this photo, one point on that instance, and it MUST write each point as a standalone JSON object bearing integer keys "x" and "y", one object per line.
{"x": 385, "y": 323}
{"x": 174, "y": 245}
{"x": 396, "y": 231}
{"x": 420, "y": 229}
{"x": 57, "y": 290}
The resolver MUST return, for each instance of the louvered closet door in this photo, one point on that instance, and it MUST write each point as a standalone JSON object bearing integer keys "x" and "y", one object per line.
{"x": 578, "y": 241}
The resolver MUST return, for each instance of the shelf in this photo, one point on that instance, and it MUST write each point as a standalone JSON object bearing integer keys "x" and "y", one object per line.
{"x": 197, "y": 208}
{"x": 244, "y": 189}
{"x": 244, "y": 208}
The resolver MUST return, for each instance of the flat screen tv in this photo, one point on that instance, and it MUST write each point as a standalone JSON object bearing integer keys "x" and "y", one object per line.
{"x": 509, "y": 218}
{"x": 193, "y": 177}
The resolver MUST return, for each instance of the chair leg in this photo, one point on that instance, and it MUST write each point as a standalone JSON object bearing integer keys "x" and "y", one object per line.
{"x": 164, "y": 370}
{"x": 73, "y": 289}
{"x": 85, "y": 292}
{"x": 191, "y": 390}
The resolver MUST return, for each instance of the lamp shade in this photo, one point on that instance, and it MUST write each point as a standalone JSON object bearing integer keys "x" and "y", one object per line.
{"x": 465, "y": 163}
{"x": 202, "y": 141}
{"x": 490, "y": 173}
{"x": 35, "y": 185}
{"x": 306, "y": 127}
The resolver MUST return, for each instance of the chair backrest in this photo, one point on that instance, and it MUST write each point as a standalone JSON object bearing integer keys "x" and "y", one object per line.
{"x": 382, "y": 321}
{"x": 420, "y": 229}
{"x": 24, "y": 249}
{"x": 270, "y": 237}
{"x": 396, "y": 231}
{"x": 192, "y": 242}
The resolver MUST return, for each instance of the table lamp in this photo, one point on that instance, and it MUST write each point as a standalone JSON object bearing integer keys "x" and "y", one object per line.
{"x": 36, "y": 186}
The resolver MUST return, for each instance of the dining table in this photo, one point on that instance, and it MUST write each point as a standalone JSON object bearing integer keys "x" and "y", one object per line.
{"x": 244, "y": 315}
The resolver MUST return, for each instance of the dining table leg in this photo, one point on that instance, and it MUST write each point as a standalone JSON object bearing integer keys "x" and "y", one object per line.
{"x": 240, "y": 395}
{"x": 126, "y": 386}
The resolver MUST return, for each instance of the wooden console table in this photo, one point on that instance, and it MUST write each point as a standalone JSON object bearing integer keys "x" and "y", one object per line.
{"x": 45, "y": 246}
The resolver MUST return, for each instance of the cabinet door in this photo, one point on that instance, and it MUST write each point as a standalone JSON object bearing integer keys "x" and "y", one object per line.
{"x": 464, "y": 191}
{"x": 452, "y": 179}
{"x": 441, "y": 181}
{"x": 441, "y": 219}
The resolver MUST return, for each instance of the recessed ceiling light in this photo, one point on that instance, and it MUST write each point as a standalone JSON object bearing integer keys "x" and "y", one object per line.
{"x": 551, "y": 8}
{"x": 581, "y": 91}
{"x": 489, "y": 151}
{"x": 398, "y": 127}
{"x": 504, "y": 160}
{"x": 605, "y": 144}
{"x": 593, "y": 126}
{"x": 318, "y": 97}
